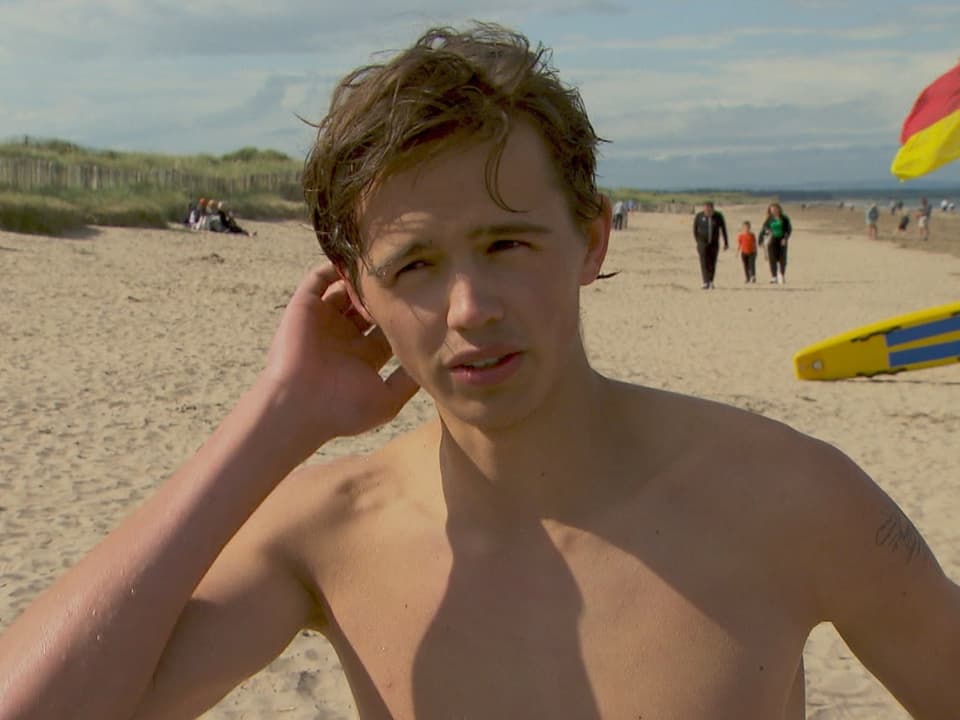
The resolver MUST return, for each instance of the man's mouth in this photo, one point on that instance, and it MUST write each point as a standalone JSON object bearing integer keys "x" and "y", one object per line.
{"x": 481, "y": 364}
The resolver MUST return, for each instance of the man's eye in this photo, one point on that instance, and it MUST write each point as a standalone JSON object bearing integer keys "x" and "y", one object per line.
{"x": 411, "y": 266}
{"x": 498, "y": 245}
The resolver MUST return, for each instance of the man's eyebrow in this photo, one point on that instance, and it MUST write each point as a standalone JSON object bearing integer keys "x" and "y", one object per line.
{"x": 382, "y": 268}
{"x": 515, "y": 228}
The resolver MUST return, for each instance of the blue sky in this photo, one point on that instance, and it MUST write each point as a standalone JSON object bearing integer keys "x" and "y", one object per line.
{"x": 691, "y": 93}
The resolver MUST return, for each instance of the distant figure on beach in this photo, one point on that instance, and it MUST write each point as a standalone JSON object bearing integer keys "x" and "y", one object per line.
{"x": 747, "y": 247}
{"x": 774, "y": 236}
{"x": 903, "y": 222}
{"x": 872, "y": 218}
{"x": 923, "y": 218}
{"x": 227, "y": 221}
{"x": 619, "y": 212}
{"x": 708, "y": 227}
{"x": 196, "y": 213}
{"x": 552, "y": 543}
{"x": 201, "y": 216}
{"x": 189, "y": 217}
{"x": 212, "y": 221}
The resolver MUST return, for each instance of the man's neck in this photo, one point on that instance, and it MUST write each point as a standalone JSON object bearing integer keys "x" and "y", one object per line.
{"x": 543, "y": 464}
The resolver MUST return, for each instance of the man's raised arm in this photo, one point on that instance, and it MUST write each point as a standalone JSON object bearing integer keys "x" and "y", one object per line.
{"x": 104, "y": 639}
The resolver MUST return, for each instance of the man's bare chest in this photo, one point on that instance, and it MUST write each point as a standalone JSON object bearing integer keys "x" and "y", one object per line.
{"x": 557, "y": 625}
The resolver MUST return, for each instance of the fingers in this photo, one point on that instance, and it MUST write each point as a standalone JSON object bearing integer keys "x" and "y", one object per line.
{"x": 325, "y": 283}
{"x": 336, "y": 295}
{"x": 318, "y": 280}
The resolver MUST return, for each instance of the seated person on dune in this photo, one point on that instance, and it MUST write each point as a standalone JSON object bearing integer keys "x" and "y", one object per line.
{"x": 227, "y": 222}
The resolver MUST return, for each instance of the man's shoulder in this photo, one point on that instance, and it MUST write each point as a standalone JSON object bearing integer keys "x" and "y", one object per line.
{"x": 770, "y": 480}
{"x": 793, "y": 480}
{"x": 750, "y": 448}
{"x": 338, "y": 490}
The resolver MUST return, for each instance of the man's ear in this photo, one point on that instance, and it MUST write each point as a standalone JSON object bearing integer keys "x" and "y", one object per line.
{"x": 354, "y": 294}
{"x": 598, "y": 240}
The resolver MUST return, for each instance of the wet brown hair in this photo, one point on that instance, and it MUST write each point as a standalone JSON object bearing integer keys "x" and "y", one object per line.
{"x": 449, "y": 88}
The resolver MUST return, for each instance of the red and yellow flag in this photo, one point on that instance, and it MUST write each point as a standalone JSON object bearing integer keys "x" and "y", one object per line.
{"x": 931, "y": 133}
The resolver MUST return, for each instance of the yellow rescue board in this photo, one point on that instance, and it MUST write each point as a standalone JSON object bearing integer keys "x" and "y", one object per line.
{"x": 914, "y": 341}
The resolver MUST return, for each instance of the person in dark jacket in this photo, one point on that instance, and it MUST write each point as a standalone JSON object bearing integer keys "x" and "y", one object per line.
{"x": 228, "y": 223}
{"x": 708, "y": 226}
{"x": 774, "y": 234}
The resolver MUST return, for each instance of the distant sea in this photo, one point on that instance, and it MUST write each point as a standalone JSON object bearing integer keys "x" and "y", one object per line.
{"x": 861, "y": 197}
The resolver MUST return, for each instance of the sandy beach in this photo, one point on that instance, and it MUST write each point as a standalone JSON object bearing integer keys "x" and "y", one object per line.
{"x": 123, "y": 348}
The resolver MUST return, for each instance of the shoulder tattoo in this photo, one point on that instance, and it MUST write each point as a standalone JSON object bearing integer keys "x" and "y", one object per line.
{"x": 898, "y": 535}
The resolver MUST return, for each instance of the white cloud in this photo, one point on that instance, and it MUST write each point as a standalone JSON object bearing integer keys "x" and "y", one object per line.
{"x": 778, "y": 78}
{"x": 98, "y": 28}
{"x": 214, "y": 75}
{"x": 939, "y": 11}
{"x": 743, "y": 37}
{"x": 678, "y": 42}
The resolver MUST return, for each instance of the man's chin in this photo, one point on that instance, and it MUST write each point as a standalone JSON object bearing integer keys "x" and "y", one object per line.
{"x": 490, "y": 417}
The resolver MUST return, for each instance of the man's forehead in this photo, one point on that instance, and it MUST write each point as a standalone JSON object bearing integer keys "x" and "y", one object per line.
{"x": 438, "y": 197}
{"x": 386, "y": 234}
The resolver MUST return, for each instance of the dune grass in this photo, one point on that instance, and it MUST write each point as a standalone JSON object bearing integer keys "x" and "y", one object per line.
{"x": 68, "y": 211}
{"x": 142, "y": 198}
{"x": 245, "y": 161}
{"x": 155, "y": 189}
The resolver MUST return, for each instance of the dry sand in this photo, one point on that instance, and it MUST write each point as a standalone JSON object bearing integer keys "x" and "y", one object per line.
{"x": 123, "y": 348}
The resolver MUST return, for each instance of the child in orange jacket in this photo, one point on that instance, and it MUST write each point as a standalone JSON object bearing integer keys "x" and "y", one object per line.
{"x": 747, "y": 247}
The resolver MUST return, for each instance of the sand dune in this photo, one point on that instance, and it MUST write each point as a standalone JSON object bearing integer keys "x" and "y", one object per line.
{"x": 122, "y": 349}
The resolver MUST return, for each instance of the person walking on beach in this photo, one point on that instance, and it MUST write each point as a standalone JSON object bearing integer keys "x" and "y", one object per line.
{"x": 553, "y": 543}
{"x": 708, "y": 226}
{"x": 619, "y": 212}
{"x": 923, "y": 218}
{"x": 774, "y": 235}
{"x": 903, "y": 222}
{"x": 872, "y": 218}
{"x": 747, "y": 247}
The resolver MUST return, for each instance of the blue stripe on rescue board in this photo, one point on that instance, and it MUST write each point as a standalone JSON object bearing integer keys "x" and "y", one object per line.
{"x": 918, "y": 332}
{"x": 925, "y": 354}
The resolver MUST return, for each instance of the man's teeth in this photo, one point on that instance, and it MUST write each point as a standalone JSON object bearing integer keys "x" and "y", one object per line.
{"x": 483, "y": 363}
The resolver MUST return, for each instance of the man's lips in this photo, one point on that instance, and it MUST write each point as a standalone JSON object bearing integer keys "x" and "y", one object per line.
{"x": 486, "y": 370}
{"x": 481, "y": 359}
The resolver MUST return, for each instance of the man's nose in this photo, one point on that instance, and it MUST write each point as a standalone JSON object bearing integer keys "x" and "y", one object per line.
{"x": 473, "y": 301}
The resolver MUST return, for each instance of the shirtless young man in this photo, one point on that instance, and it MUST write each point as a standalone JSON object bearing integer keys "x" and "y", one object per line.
{"x": 555, "y": 544}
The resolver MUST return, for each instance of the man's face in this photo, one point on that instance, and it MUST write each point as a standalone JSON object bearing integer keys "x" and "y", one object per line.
{"x": 708, "y": 209}
{"x": 480, "y": 304}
